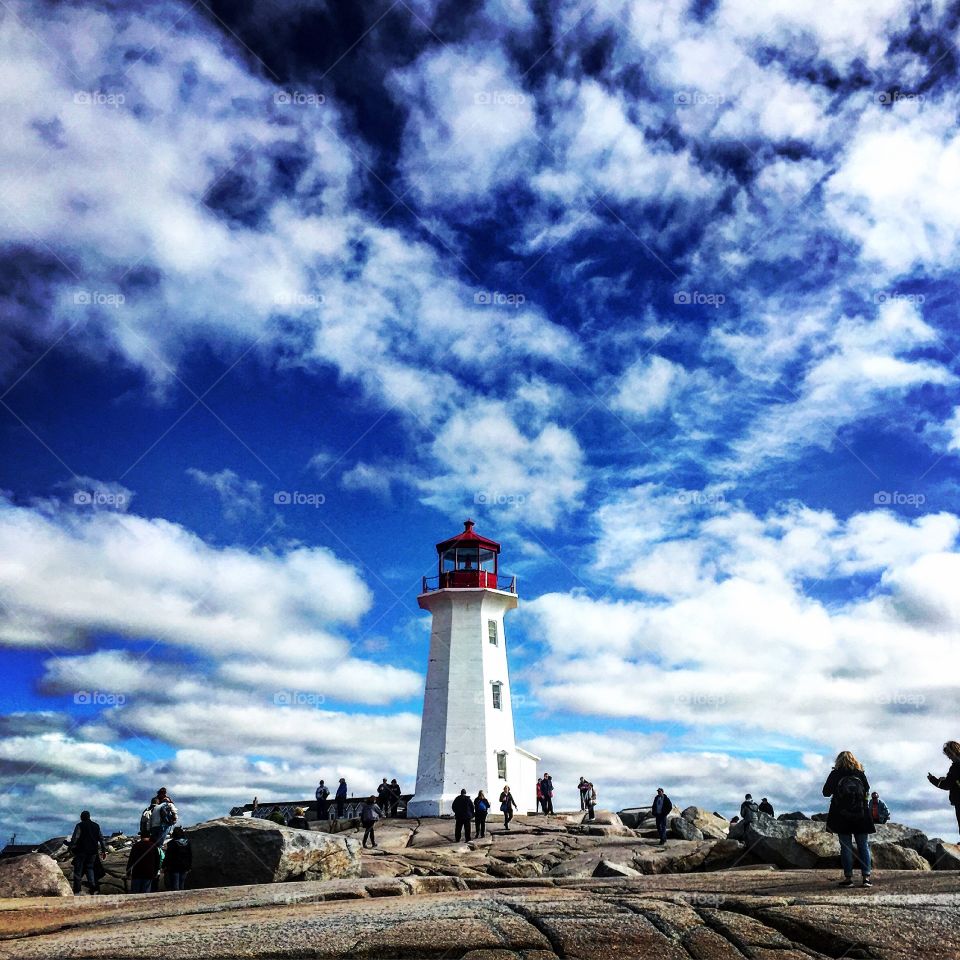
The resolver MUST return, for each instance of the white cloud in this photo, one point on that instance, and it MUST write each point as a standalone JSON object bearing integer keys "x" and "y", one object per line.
{"x": 647, "y": 385}
{"x": 238, "y": 496}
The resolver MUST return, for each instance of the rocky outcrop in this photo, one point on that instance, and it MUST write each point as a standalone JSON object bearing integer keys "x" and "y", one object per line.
{"x": 941, "y": 855}
{"x": 711, "y": 825}
{"x": 717, "y": 916}
{"x": 241, "y": 850}
{"x": 33, "y": 875}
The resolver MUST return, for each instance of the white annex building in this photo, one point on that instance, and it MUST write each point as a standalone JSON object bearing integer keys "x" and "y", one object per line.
{"x": 466, "y": 735}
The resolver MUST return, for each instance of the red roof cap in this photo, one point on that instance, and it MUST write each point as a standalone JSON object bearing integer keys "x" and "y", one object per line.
{"x": 468, "y": 538}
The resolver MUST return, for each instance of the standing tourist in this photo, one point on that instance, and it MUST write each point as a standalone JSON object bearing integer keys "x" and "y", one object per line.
{"x": 849, "y": 814}
{"x": 547, "y": 793}
{"x": 394, "y": 797}
{"x": 87, "y": 841}
{"x": 323, "y": 801}
{"x": 299, "y": 819}
{"x": 507, "y": 805}
{"x": 370, "y": 813}
{"x": 464, "y": 812}
{"x": 481, "y": 807}
{"x": 143, "y": 864}
{"x": 178, "y": 861}
{"x": 766, "y": 807}
{"x": 661, "y": 806}
{"x": 341, "y": 799}
{"x": 951, "y": 782}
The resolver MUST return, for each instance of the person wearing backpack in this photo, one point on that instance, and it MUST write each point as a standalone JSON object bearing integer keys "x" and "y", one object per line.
{"x": 849, "y": 814}
{"x": 481, "y": 806}
{"x": 370, "y": 813}
{"x": 323, "y": 801}
{"x": 749, "y": 810}
{"x": 162, "y": 819}
{"x": 178, "y": 861}
{"x": 87, "y": 841}
{"x": 507, "y": 805}
{"x": 951, "y": 781}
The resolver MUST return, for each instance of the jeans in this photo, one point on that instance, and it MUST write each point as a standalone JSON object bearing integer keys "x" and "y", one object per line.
{"x": 583, "y": 800}
{"x": 84, "y": 866}
{"x": 176, "y": 881}
{"x": 463, "y": 826}
{"x": 507, "y": 817}
{"x": 141, "y": 884}
{"x": 368, "y": 834}
{"x": 548, "y": 804}
{"x": 662, "y": 827}
{"x": 341, "y": 804}
{"x": 590, "y": 809}
{"x": 480, "y": 822}
{"x": 159, "y": 834}
{"x": 846, "y": 853}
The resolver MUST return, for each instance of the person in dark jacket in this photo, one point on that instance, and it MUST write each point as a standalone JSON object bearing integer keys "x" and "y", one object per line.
{"x": 878, "y": 809}
{"x": 481, "y": 807}
{"x": 178, "y": 861}
{"x": 464, "y": 812}
{"x": 143, "y": 864}
{"x": 87, "y": 841}
{"x": 370, "y": 813}
{"x": 547, "y": 793}
{"x": 394, "y": 796}
{"x": 951, "y": 781}
{"x": 588, "y": 794}
{"x": 661, "y": 806}
{"x": 849, "y": 814}
{"x": 383, "y": 797}
{"x": 766, "y": 807}
{"x": 323, "y": 801}
{"x": 507, "y": 805}
{"x": 341, "y": 799}
{"x": 299, "y": 819}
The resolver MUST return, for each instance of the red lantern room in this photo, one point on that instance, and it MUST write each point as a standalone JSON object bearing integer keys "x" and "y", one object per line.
{"x": 468, "y": 560}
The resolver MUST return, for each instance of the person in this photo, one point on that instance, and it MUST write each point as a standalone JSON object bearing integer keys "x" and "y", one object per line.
{"x": 146, "y": 816}
{"x": 951, "y": 781}
{"x": 749, "y": 810}
{"x": 878, "y": 809}
{"x": 299, "y": 819}
{"x": 481, "y": 806}
{"x": 370, "y": 813}
{"x": 87, "y": 841}
{"x": 766, "y": 807}
{"x": 507, "y": 805}
{"x": 383, "y": 797}
{"x": 178, "y": 861}
{"x": 584, "y": 787}
{"x": 849, "y": 814}
{"x": 341, "y": 799}
{"x": 394, "y": 796}
{"x": 162, "y": 818}
{"x": 541, "y": 806}
{"x": 143, "y": 864}
{"x": 323, "y": 801}
{"x": 547, "y": 793}
{"x": 661, "y": 806}
{"x": 464, "y": 813}
{"x": 589, "y": 796}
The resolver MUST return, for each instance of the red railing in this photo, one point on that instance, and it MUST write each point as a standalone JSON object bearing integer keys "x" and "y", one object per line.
{"x": 465, "y": 579}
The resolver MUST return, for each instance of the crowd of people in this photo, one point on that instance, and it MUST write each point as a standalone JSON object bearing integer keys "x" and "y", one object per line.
{"x": 163, "y": 848}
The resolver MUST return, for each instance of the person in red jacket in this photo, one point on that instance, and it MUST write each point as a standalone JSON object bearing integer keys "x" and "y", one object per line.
{"x": 143, "y": 864}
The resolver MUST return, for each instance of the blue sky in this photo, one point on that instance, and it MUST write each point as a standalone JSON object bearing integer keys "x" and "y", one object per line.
{"x": 662, "y": 295}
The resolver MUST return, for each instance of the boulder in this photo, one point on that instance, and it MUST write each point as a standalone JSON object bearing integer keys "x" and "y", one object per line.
{"x": 941, "y": 855}
{"x": 633, "y": 816}
{"x": 606, "y": 868}
{"x": 796, "y": 815}
{"x": 232, "y": 851}
{"x": 794, "y": 844}
{"x": 901, "y": 835}
{"x": 683, "y": 829}
{"x": 711, "y": 825}
{"x": 891, "y": 856}
{"x": 33, "y": 875}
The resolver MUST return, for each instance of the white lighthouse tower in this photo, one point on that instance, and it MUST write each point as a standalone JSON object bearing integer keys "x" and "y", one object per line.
{"x": 466, "y": 736}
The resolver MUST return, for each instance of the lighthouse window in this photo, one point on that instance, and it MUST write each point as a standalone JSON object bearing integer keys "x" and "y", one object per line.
{"x": 492, "y": 631}
{"x": 502, "y": 764}
{"x": 497, "y": 695}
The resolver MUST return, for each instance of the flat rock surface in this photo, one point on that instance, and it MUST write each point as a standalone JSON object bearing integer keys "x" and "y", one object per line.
{"x": 785, "y": 915}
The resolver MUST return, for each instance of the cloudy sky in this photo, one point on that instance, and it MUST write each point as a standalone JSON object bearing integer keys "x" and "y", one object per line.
{"x": 661, "y": 293}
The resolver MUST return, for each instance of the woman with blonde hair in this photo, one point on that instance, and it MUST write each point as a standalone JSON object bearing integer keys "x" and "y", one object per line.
{"x": 951, "y": 781}
{"x": 849, "y": 814}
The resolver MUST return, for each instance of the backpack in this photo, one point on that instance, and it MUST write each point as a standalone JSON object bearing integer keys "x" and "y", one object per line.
{"x": 145, "y": 819}
{"x": 168, "y": 814}
{"x": 850, "y": 796}
{"x": 322, "y": 793}
{"x": 752, "y": 811}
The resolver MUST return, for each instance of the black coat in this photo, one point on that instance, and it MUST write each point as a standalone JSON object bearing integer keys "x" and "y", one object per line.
{"x": 179, "y": 858}
{"x": 951, "y": 782}
{"x": 838, "y": 821}
{"x": 463, "y": 807}
{"x": 87, "y": 839}
{"x": 667, "y": 807}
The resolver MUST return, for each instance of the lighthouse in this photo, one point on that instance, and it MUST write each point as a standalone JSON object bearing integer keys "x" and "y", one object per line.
{"x": 466, "y": 736}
